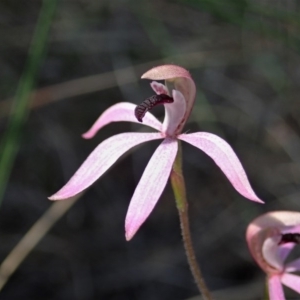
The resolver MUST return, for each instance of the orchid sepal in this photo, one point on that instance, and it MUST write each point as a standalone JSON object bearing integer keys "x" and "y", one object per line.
{"x": 119, "y": 112}
{"x": 100, "y": 160}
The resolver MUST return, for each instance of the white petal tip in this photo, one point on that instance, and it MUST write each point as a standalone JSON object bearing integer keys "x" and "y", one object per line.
{"x": 256, "y": 199}
{"x": 53, "y": 198}
{"x": 87, "y": 135}
{"x": 129, "y": 232}
{"x": 128, "y": 236}
{"x": 56, "y": 197}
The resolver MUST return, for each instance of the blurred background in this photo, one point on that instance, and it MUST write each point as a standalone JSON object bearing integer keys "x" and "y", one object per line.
{"x": 63, "y": 63}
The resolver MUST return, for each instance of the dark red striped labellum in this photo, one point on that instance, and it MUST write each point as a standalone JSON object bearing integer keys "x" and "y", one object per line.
{"x": 290, "y": 238}
{"x": 149, "y": 103}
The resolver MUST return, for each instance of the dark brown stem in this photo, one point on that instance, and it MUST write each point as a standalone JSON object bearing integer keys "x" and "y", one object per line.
{"x": 178, "y": 185}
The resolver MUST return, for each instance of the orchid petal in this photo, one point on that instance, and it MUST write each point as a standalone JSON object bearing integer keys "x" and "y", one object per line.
{"x": 123, "y": 111}
{"x": 275, "y": 288}
{"x": 159, "y": 88}
{"x": 151, "y": 186}
{"x": 182, "y": 81}
{"x": 223, "y": 155}
{"x": 293, "y": 266}
{"x": 292, "y": 281}
{"x": 174, "y": 113}
{"x": 100, "y": 160}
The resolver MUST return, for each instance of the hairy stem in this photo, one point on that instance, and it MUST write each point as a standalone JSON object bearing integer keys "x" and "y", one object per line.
{"x": 178, "y": 185}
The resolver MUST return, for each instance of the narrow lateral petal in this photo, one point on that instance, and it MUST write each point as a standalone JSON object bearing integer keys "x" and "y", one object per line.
{"x": 123, "y": 111}
{"x": 100, "y": 160}
{"x": 292, "y": 281}
{"x": 151, "y": 186}
{"x": 275, "y": 288}
{"x": 223, "y": 155}
{"x": 293, "y": 266}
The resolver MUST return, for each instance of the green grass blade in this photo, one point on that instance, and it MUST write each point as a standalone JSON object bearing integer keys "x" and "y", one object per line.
{"x": 10, "y": 142}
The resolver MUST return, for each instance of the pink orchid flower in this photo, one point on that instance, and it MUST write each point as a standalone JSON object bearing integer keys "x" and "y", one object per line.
{"x": 270, "y": 238}
{"x": 178, "y": 98}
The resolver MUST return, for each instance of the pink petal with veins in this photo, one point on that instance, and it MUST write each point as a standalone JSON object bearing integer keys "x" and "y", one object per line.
{"x": 223, "y": 155}
{"x": 292, "y": 281}
{"x": 293, "y": 266}
{"x": 275, "y": 288}
{"x": 100, "y": 160}
{"x": 123, "y": 111}
{"x": 151, "y": 186}
{"x": 159, "y": 88}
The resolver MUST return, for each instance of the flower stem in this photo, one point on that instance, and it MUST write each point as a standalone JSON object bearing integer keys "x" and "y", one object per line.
{"x": 178, "y": 185}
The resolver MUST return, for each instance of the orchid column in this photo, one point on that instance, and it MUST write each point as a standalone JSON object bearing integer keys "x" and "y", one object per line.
{"x": 177, "y": 96}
